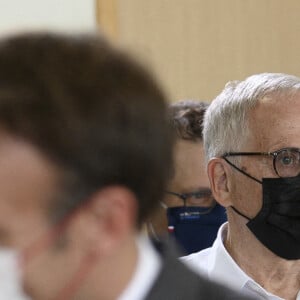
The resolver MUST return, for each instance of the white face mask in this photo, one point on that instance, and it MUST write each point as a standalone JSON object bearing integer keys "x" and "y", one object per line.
{"x": 10, "y": 276}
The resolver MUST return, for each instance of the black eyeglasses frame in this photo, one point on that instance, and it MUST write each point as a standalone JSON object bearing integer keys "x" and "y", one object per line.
{"x": 185, "y": 196}
{"x": 274, "y": 154}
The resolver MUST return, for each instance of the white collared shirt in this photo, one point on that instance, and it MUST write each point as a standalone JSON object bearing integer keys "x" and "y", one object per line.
{"x": 147, "y": 269}
{"x": 215, "y": 263}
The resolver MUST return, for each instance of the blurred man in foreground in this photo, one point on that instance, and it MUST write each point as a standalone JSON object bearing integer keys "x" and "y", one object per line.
{"x": 252, "y": 144}
{"x": 85, "y": 152}
{"x": 188, "y": 211}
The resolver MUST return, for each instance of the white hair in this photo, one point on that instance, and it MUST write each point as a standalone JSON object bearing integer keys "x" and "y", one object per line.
{"x": 226, "y": 119}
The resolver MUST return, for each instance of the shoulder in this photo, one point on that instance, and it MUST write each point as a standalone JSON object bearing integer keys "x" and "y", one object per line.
{"x": 177, "y": 282}
{"x": 199, "y": 261}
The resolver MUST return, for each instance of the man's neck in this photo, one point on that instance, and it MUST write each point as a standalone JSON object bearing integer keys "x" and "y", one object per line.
{"x": 278, "y": 276}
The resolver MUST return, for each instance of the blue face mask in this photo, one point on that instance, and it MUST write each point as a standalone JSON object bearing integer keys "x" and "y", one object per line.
{"x": 194, "y": 227}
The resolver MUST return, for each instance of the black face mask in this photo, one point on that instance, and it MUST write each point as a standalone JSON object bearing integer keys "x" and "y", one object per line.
{"x": 277, "y": 224}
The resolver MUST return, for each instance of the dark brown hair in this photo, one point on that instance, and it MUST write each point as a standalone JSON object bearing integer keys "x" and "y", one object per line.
{"x": 186, "y": 118}
{"x": 90, "y": 109}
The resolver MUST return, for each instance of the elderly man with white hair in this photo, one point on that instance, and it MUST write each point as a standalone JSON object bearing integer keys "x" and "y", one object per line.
{"x": 252, "y": 145}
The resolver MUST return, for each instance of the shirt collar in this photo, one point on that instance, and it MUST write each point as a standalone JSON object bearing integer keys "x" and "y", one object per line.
{"x": 147, "y": 269}
{"x": 221, "y": 263}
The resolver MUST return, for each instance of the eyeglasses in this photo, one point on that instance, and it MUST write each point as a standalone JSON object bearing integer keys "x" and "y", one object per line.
{"x": 198, "y": 198}
{"x": 286, "y": 161}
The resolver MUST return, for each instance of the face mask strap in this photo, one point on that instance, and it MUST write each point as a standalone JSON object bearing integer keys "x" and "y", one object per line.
{"x": 239, "y": 213}
{"x": 240, "y": 170}
{"x": 49, "y": 237}
{"x": 163, "y": 205}
{"x": 29, "y": 253}
{"x": 152, "y": 231}
{"x": 86, "y": 265}
{"x": 78, "y": 278}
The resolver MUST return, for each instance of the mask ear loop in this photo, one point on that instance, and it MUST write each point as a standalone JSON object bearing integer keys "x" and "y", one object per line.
{"x": 239, "y": 213}
{"x": 170, "y": 227}
{"x": 152, "y": 231}
{"x": 240, "y": 170}
{"x": 246, "y": 174}
{"x": 150, "y": 226}
{"x": 163, "y": 205}
{"x": 48, "y": 239}
{"x": 78, "y": 278}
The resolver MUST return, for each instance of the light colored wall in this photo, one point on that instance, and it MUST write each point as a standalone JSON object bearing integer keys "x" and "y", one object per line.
{"x": 196, "y": 46}
{"x": 59, "y": 15}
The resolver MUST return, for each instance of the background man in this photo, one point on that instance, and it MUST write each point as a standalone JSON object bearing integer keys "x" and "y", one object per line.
{"x": 252, "y": 143}
{"x": 83, "y": 138}
{"x": 188, "y": 210}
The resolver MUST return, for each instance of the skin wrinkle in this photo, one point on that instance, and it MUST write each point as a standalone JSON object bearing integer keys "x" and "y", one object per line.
{"x": 273, "y": 127}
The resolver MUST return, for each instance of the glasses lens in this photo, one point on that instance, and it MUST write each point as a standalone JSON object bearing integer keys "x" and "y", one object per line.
{"x": 200, "y": 198}
{"x": 287, "y": 163}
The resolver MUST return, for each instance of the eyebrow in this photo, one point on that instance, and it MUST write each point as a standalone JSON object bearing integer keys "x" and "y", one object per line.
{"x": 195, "y": 190}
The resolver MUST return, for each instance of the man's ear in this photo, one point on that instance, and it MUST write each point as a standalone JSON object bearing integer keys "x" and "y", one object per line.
{"x": 220, "y": 181}
{"x": 108, "y": 220}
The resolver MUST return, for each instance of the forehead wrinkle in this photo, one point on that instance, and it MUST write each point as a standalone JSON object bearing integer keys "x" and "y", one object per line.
{"x": 259, "y": 125}
{"x": 258, "y": 138}
{"x": 274, "y": 123}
